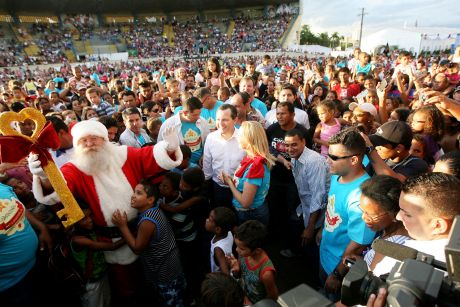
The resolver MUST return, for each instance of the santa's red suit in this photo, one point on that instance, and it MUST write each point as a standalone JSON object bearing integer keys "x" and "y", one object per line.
{"x": 107, "y": 191}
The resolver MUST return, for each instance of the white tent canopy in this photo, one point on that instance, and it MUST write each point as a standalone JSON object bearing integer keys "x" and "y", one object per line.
{"x": 404, "y": 39}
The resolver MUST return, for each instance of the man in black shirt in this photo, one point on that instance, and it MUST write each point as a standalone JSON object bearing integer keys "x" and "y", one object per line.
{"x": 391, "y": 156}
{"x": 282, "y": 195}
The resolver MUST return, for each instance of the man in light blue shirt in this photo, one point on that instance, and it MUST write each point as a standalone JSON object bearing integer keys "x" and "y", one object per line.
{"x": 311, "y": 176}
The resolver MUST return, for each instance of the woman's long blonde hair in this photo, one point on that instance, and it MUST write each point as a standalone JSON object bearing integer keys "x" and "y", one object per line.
{"x": 257, "y": 141}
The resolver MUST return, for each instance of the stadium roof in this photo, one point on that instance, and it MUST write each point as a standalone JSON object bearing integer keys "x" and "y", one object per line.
{"x": 126, "y": 6}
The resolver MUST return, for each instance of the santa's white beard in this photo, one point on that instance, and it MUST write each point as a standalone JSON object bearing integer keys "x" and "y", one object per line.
{"x": 112, "y": 187}
{"x": 93, "y": 162}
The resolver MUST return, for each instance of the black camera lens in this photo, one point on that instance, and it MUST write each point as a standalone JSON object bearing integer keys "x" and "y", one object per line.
{"x": 359, "y": 284}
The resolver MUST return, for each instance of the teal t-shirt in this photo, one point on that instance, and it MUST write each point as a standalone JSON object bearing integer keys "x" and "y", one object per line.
{"x": 343, "y": 222}
{"x": 210, "y": 115}
{"x": 262, "y": 187}
{"x": 192, "y": 138}
{"x": 18, "y": 241}
{"x": 259, "y": 105}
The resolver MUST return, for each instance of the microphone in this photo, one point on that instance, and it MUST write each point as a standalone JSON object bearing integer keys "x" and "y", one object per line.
{"x": 401, "y": 253}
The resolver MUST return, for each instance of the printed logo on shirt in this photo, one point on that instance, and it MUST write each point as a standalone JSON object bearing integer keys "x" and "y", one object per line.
{"x": 193, "y": 140}
{"x": 212, "y": 124}
{"x": 11, "y": 216}
{"x": 280, "y": 146}
{"x": 332, "y": 220}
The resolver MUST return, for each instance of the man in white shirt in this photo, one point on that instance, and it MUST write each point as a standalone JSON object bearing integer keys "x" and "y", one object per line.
{"x": 428, "y": 205}
{"x": 288, "y": 93}
{"x": 222, "y": 153}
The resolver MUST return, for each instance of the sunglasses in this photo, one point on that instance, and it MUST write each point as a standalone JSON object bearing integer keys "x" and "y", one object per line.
{"x": 335, "y": 158}
{"x": 155, "y": 110}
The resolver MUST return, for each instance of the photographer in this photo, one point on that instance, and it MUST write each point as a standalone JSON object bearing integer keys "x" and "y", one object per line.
{"x": 428, "y": 206}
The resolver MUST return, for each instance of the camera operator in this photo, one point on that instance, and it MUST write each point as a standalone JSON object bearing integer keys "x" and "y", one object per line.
{"x": 428, "y": 206}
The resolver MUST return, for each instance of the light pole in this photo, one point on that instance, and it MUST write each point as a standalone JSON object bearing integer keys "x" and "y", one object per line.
{"x": 361, "y": 27}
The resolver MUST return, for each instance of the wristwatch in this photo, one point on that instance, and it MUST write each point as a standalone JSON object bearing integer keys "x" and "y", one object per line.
{"x": 369, "y": 149}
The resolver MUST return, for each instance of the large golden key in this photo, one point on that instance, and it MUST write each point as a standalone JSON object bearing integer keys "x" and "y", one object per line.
{"x": 15, "y": 146}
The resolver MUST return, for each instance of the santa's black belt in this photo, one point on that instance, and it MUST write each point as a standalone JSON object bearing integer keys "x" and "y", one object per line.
{"x": 113, "y": 232}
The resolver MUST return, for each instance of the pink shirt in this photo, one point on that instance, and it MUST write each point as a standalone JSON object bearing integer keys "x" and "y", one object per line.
{"x": 326, "y": 133}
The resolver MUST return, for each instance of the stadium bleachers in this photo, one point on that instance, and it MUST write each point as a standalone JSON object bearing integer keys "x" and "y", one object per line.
{"x": 53, "y": 39}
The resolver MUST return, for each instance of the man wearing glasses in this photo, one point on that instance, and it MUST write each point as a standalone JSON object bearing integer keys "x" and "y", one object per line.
{"x": 344, "y": 232}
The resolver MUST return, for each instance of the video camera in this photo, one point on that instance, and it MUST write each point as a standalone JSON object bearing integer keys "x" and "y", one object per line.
{"x": 419, "y": 280}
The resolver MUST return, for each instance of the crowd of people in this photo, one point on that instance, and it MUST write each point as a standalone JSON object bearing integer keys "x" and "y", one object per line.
{"x": 190, "y": 167}
{"x": 147, "y": 39}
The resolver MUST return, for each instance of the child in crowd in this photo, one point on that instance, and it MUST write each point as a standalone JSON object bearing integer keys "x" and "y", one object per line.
{"x": 186, "y": 155}
{"x": 88, "y": 253}
{"x": 221, "y": 220}
{"x": 155, "y": 243}
{"x": 221, "y": 290}
{"x": 178, "y": 215}
{"x": 213, "y": 73}
{"x": 173, "y": 89}
{"x": 429, "y": 122}
{"x": 347, "y": 116}
{"x": 328, "y": 126}
{"x": 419, "y": 148}
{"x": 255, "y": 268}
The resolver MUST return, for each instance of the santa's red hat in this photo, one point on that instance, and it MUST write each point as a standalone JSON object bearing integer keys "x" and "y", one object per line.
{"x": 88, "y": 127}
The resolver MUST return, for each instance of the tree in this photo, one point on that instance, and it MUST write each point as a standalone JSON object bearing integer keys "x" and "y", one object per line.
{"x": 309, "y": 38}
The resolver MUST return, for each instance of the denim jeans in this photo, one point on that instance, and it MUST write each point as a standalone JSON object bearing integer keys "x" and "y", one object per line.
{"x": 260, "y": 214}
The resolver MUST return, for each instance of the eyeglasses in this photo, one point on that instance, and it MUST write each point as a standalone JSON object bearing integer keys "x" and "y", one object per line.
{"x": 155, "y": 110}
{"x": 335, "y": 158}
{"x": 373, "y": 218}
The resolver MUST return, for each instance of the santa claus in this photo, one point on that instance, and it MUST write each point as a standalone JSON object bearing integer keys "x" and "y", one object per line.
{"x": 103, "y": 175}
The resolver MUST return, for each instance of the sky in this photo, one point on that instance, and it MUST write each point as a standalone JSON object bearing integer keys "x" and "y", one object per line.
{"x": 342, "y": 16}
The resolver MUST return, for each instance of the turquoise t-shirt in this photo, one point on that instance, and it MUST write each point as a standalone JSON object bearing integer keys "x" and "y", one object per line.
{"x": 343, "y": 222}
{"x": 18, "y": 241}
{"x": 262, "y": 188}
{"x": 210, "y": 115}
{"x": 192, "y": 138}
{"x": 259, "y": 105}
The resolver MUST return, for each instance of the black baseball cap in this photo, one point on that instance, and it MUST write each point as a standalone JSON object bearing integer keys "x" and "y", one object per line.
{"x": 393, "y": 132}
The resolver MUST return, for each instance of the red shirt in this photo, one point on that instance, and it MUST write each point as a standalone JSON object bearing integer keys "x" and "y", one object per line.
{"x": 352, "y": 90}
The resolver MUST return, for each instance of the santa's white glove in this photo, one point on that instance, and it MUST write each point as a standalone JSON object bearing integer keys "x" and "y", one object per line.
{"x": 170, "y": 136}
{"x": 35, "y": 166}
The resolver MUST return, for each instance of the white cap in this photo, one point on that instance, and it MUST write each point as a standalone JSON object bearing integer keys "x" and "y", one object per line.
{"x": 88, "y": 127}
{"x": 366, "y": 107}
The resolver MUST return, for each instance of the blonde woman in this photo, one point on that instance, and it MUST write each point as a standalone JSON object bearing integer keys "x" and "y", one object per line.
{"x": 251, "y": 181}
